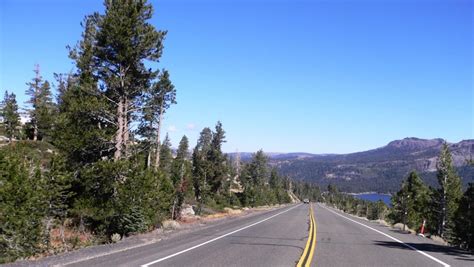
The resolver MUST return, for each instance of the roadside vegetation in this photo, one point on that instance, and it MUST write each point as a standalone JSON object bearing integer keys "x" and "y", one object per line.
{"x": 89, "y": 167}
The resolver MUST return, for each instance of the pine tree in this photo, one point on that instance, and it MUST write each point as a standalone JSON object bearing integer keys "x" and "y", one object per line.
{"x": 124, "y": 40}
{"x": 181, "y": 161}
{"x": 156, "y": 100}
{"x": 201, "y": 167}
{"x": 21, "y": 206}
{"x": 166, "y": 155}
{"x": 45, "y": 111}
{"x": 64, "y": 82}
{"x": 448, "y": 195}
{"x": 85, "y": 125}
{"x": 42, "y": 106}
{"x": 162, "y": 96}
{"x": 10, "y": 115}
{"x": 411, "y": 203}
{"x": 258, "y": 169}
{"x": 56, "y": 186}
{"x": 217, "y": 160}
{"x": 464, "y": 220}
{"x": 181, "y": 174}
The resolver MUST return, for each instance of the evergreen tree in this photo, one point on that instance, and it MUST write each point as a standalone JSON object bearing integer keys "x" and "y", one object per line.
{"x": 56, "y": 186}
{"x": 45, "y": 112}
{"x": 42, "y": 106}
{"x": 181, "y": 174}
{"x": 448, "y": 195}
{"x": 255, "y": 177}
{"x": 201, "y": 166}
{"x": 258, "y": 170}
{"x": 157, "y": 99}
{"x": 411, "y": 203}
{"x": 64, "y": 81}
{"x": 21, "y": 206}
{"x": 124, "y": 40}
{"x": 10, "y": 115}
{"x": 217, "y": 160}
{"x": 85, "y": 124}
{"x": 162, "y": 96}
{"x": 182, "y": 158}
{"x": 464, "y": 220}
{"x": 166, "y": 155}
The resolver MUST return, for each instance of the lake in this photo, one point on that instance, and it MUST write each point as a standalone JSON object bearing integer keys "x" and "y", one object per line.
{"x": 374, "y": 197}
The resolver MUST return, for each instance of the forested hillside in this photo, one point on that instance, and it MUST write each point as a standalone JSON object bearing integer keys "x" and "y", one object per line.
{"x": 381, "y": 169}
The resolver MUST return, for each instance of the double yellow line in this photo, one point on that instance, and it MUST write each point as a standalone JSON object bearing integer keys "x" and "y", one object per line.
{"x": 308, "y": 252}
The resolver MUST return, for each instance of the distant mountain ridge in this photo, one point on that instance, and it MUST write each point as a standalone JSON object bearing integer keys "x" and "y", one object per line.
{"x": 379, "y": 170}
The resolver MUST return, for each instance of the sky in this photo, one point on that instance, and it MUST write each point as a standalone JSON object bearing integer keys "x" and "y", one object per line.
{"x": 283, "y": 75}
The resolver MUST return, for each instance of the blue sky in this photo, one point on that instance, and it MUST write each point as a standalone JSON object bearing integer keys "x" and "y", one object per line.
{"x": 314, "y": 76}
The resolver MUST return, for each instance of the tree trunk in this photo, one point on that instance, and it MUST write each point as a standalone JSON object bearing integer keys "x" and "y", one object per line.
{"x": 126, "y": 132}
{"x": 160, "y": 120}
{"x": 35, "y": 131}
{"x": 119, "y": 133}
{"x": 10, "y": 136}
{"x": 148, "y": 159}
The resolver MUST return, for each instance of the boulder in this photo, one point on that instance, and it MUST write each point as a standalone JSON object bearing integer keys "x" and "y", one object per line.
{"x": 170, "y": 225}
{"x": 187, "y": 211}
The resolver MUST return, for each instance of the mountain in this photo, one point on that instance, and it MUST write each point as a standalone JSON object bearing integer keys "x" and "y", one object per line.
{"x": 380, "y": 170}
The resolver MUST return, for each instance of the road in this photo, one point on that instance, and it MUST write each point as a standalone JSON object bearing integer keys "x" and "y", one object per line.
{"x": 279, "y": 237}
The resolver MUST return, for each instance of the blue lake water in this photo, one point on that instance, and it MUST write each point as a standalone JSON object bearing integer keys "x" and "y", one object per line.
{"x": 374, "y": 197}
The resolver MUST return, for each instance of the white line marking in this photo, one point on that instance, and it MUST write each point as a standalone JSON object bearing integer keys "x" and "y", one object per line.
{"x": 214, "y": 239}
{"x": 393, "y": 238}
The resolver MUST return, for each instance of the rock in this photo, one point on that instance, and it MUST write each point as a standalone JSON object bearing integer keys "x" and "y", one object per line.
{"x": 187, "y": 211}
{"x": 170, "y": 225}
{"x": 115, "y": 238}
{"x": 399, "y": 226}
{"x": 438, "y": 239}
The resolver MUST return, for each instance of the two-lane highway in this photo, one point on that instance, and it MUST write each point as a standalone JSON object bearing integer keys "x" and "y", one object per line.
{"x": 280, "y": 238}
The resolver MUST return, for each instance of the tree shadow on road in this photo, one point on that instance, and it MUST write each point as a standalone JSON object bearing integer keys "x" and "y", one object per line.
{"x": 459, "y": 254}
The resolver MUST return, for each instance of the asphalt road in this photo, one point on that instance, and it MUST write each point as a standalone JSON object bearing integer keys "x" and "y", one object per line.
{"x": 275, "y": 238}
{"x": 278, "y": 238}
{"x": 342, "y": 240}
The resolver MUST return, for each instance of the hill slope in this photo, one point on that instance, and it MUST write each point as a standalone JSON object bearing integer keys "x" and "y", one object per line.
{"x": 380, "y": 169}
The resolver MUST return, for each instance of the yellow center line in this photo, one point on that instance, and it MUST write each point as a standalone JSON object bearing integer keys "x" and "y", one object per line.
{"x": 308, "y": 252}
{"x": 314, "y": 239}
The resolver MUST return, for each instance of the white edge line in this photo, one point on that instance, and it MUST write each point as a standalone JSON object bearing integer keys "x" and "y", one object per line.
{"x": 214, "y": 239}
{"x": 391, "y": 237}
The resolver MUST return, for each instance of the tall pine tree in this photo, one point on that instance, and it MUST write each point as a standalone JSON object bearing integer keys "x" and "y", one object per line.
{"x": 123, "y": 42}
{"x": 201, "y": 167}
{"x": 181, "y": 174}
{"x": 448, "y": 195}
{"x": 42, "y": 106}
